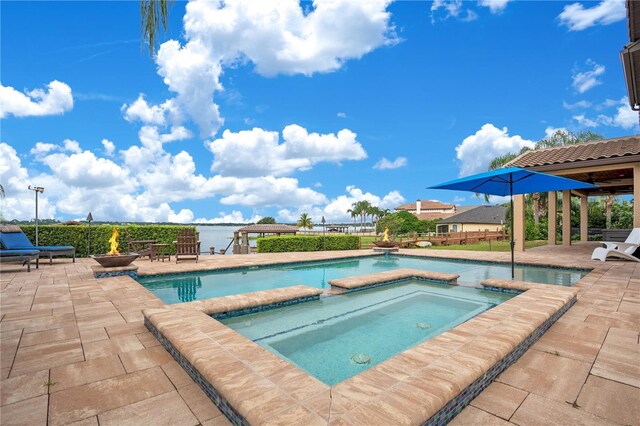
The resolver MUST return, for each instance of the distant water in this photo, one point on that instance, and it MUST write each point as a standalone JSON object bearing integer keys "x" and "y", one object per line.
{"x": 216, "y": 236}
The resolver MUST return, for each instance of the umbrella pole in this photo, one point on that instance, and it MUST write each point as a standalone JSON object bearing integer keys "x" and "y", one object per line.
{"x": 513, "y": 243}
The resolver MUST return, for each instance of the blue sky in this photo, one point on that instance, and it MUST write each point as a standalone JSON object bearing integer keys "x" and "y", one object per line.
{"x": 252, "y": 109}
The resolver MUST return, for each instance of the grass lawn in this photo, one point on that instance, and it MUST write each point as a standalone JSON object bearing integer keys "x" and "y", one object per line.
{"x": 484, "y": 246}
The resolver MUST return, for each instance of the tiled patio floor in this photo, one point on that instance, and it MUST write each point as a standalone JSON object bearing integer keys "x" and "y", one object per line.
{"x": 74, "y": 349}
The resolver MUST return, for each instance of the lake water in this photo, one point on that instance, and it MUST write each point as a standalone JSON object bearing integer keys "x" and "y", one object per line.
{"x": 216, "y": 236}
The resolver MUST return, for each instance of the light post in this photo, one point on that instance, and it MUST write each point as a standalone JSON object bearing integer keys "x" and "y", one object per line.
{"x": 37, "y": 190}
{"x": 89, "y": 219}
{"x": 324, "y": 241}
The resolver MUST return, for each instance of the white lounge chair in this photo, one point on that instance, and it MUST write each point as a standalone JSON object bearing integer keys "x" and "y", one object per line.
{"x": 621, "y": 250}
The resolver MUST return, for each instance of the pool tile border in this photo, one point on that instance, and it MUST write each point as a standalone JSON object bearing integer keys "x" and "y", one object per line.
{"x": 514, "y": 326}
{"x": 363, "y": 282}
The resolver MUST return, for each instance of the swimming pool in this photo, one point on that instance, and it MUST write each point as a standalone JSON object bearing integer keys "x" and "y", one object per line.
{"x": 186, "y": 287}
{"x": 335, "y": 338}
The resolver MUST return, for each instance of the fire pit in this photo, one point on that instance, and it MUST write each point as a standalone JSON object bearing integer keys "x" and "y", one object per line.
{"x": 386, "y": 242}
{"x": 114, "y": 263}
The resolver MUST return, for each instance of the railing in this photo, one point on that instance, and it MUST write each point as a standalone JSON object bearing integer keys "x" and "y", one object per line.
{"x": 444, "y": 239}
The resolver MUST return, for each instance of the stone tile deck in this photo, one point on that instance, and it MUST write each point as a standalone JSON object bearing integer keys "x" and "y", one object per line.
{"x": 74, "y": 349}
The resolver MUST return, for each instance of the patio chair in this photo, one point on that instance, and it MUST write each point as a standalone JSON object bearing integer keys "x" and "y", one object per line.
{"x": 187, "y": 245}
{"x": 22, "y": 256}
{"x": 624, "y": 250}
{"x": 12, "y": 238}
{"x": 142, "y": 247}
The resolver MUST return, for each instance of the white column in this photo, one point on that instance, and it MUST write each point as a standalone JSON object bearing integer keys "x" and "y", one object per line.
{"x": 636, "y": 196}
{"x": 566, "y": 218}
{"x": 552, "y": 217}
{"x": 518, "y": 222}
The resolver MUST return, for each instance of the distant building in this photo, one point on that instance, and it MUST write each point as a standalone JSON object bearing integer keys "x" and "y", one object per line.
{"x": 431, "y": 209}
{"x": 480, "y": 218}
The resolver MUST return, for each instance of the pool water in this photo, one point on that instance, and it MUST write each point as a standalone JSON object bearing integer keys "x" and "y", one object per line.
{"x": 337, "y": 337}
{"x": 203, "y": 285}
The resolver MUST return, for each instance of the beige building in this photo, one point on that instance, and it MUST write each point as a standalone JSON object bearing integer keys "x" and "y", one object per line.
{"x": 429, "y": 209}
{"x": 478, "y": 218}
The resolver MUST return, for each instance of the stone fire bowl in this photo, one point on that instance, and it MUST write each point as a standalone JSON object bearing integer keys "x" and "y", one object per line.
{"x": 114, "y": 261}
{"x": 386, "y": 244}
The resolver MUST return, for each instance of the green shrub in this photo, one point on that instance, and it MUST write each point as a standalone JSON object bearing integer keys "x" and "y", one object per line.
{"x": 77, "y": 236}
{"x": 307, "y": 243}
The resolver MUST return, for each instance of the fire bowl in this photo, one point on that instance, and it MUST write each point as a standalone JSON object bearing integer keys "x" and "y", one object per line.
{"x": 113, "y": 261}
{"x": 386, "y": 244}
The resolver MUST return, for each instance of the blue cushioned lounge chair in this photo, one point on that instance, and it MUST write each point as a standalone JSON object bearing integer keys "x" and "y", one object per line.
{"x": 12, "y": 238}
{"x": 23, "y": 256}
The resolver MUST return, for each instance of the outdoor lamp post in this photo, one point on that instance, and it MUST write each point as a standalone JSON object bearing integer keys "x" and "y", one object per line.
{"x": 89, "y": 219}
{"x": 37, "y": 190}
{"x": 324, "y": 241}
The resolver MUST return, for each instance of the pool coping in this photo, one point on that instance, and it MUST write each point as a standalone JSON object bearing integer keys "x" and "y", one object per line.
{"x": 428, "y": 383}
{"x": 365, "y": 281}
{"x": 361, "y": 254}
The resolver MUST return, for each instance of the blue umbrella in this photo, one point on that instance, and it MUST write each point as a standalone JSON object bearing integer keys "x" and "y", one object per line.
{"x": 510, "y": 181}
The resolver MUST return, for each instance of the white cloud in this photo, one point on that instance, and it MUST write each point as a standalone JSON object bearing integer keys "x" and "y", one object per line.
{"x": 583, "y": 81}
{"x": 495, "y": 6}
{"x": 159, "y": 115}
{"x": 626, "y": 117}
{"x": 623, "y": 116}
{"x": 335, "y": 210}
{"x": 278, "y": 37}
{"x": 451, "y": 9}
{"x": 476, "y": 151}
{"x": 235, "y": 216}
{"x": 18, "y": 202}
{"x": 577, "y": 18}
{"x": 385, "y": 164}
{"x": 257, "y": 152}
{"x": 341, "y": 115}
{"x": 576, "y": 105}
{"x": 584, "y": 121}
{"x": 109, "y": 147}
{"x": 265, "y": 191}
{"x": 55, "y": 101}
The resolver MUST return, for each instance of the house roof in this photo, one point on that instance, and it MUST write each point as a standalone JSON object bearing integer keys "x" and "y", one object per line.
{"x": 480, "y": 214}
{"x": 269, "y": 228}
{"x": 426, "y": 205}
{"x": 605, "y": 149}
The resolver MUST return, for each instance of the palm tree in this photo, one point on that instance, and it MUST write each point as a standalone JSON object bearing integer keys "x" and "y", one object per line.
{"x": 305, "y": 221}
{"x": 1, "y": 191}
{"x": 153, "y": 13}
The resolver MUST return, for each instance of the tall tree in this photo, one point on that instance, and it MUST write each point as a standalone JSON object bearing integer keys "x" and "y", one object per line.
{"x": 154, "y": 17}
{"x": 305, "y": 221}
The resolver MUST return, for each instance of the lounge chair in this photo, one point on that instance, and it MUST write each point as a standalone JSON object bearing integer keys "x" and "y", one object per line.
{"x": 12, "y": 238}
{"x": 22, "y": 256}
{"x": 624, "y": 250}
{"x": 187, "y": 245}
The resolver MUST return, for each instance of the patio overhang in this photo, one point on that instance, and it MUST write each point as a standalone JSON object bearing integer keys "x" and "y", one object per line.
{"x": 612, "y": 164}
{"x": 630, "y": 55}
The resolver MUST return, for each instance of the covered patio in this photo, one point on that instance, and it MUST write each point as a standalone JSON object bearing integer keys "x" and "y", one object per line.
{"x": 611, "y": 164}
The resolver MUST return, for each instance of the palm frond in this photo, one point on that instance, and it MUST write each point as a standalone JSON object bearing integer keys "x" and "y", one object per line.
{"x": 154, "y": 17}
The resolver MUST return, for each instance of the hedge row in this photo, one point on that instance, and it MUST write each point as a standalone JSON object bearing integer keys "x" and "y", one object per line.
{"x": 77, "y": 236}
{"x": 307, "y": 243}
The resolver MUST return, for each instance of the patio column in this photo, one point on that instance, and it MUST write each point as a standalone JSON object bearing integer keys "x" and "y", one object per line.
{"x": 566, "y": 218}
{"x": 552, "y": 217}
{"x": 584, "y": 218}
{"x": 636, "y": 196}
{"x": 518, "y": 222}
